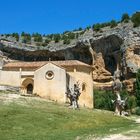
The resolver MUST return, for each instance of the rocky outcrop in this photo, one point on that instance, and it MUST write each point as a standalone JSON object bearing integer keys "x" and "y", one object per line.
{"x": 107, "y": 50}
{"x": 100, "y": 74}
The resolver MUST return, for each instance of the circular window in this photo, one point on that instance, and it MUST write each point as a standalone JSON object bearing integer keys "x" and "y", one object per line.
{"x": 49, "y": 75}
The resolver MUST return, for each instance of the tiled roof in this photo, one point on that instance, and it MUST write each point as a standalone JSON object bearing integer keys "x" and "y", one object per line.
{"x": 38, "y": 64}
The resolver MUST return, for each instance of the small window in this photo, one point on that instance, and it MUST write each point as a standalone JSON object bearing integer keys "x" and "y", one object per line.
{"x": 49, "y": 75}
{"x": 83, "y": 87}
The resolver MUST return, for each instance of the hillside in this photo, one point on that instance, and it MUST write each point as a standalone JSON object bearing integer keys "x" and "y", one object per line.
{"x": 38, "y": 119}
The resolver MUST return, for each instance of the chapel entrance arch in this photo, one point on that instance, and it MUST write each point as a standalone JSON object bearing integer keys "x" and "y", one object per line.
{"x": 28, "y": 86}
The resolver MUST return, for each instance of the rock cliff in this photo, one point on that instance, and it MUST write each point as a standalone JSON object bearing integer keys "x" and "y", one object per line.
{"x": 107, "y": 50}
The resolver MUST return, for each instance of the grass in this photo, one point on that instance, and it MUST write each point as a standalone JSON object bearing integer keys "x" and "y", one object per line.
{"x": 42, "y": 120}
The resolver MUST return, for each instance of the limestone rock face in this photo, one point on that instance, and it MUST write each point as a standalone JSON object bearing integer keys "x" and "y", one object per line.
{"x": 107, "y": 50}
{"x": 100, "y": 74}
{"x": 133, "y": 58}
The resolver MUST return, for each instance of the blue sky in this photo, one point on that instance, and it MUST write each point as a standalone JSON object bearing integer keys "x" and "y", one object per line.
{"x": 56, "y": 16}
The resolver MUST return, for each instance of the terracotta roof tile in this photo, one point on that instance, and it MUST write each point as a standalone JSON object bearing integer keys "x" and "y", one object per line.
{"x": 38, "y": 64}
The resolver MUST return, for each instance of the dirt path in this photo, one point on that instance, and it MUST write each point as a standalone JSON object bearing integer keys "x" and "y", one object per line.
{"x": 130, "y": 135}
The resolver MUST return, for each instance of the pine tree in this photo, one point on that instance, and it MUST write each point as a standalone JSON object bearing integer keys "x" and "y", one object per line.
{"x": 125, "y": 18}
{"x": 113, "y": 23}
{"x": 136, "y": 19}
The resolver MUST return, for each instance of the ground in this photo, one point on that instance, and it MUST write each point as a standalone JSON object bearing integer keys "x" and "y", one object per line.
{"x": 33, "y": 118}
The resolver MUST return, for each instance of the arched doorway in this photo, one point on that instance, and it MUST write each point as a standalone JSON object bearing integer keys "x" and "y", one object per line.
{"x": 28, "y": 86}
{"x": 29, "y": 89}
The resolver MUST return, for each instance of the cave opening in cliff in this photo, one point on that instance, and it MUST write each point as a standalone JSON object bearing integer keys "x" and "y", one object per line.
{"x": 137, "y": 51}
{"x": 110, "y": 64}
{"x": 110, "y": 47}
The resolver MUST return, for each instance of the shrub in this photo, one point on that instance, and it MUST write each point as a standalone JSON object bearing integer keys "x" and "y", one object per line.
{"x": 136, "y": 19}
{"x": 131, "y": 103}
{"x": 50, "y": 36}
{"x": 66, "y": 41}
{"x": 113, "y": 23}
{"x": 138, "y": 111}
{"x": 97, "y": 27}
{"x": 80, "y": 29}
{"x": 125, "y": 18}
{"x": 137, "y": 88}
{"x": 103, "y": 100}
{"x": 77, "y": 35}
{"x": 57, "y": 38}
{"x": 71, "y": 35}
{"x": 16, "y": 36}
{"x": 26, "y": 37}
{"x": 47, "y": 41}
{"x": 105, "y": 24}
{"x": 124, "y": 94}
{"x": 88, "y": 27}
{"x": 37, "y": 37}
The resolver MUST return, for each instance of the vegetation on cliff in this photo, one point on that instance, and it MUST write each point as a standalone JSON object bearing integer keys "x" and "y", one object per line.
{"x": 66, "y": 37}
{"x": 137, "y": 86}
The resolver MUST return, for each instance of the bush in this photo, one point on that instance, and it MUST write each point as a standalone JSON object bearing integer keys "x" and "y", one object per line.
{"x": 71, "y": 35}
{"x": 138, "y": 111}
{"x": 136, "y": 19}
{"x": 16, "y": 36}
{"x": 137, "y": 88}
{"x": 37, "y": 37}
{"x": 57, "y": 38}
{"x": 26, "y": 37}
{"x": 113, "y": 24}
{"x": 125, "y": 18}
{"x": 88, "y": 27}
{"x": 50, "y": 36}
{"x": 131, "y": 103}
{"x": 80, "y": 29}
{"x": 97, "y": 27}
{"x": 103, "y": 100}
{"x": 66, "y": 41}
{"x": 77, "y": 35}
{"x": 105, "y": 24}
{"x": 46, "y": 42}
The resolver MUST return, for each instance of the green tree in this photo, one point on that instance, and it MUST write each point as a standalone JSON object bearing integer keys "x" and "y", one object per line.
{"x": 50, "y": 36}
{"x": 16, "y": 36}
{"x": 137, "y": 87}
{"x": 131, "y": 103}
{"x": 102, "y": 100}
{"x": 46, "y": 42}
{"x": 37, "y": 37}
{"x": 88, "y": 27}
{"x": 80, "y": 29}
{"x": 113, "y": 23}
{"x": 23, "y": 33}
{"x": 125, "y": 18}
{"x": 71, "y": 35}
{"x": 136, "y": 19}
{"x": 26, "y": 37}
{"x": 97, "y": 27}
{"x": 66, "y": 39}
{"x": 57, "y": 38}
